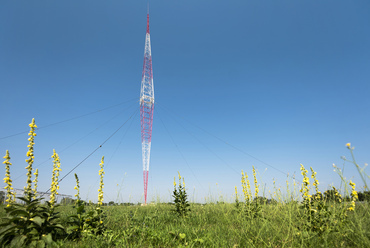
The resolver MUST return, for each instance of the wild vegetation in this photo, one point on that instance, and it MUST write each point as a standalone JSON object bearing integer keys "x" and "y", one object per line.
{"x": 304, "y": 217}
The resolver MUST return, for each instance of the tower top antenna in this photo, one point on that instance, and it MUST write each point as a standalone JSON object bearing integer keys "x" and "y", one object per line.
{"x": 147, "y": 21}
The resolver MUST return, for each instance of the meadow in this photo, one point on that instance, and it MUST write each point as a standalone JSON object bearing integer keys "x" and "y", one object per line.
{"x": 304, "y": 217}
{"x": 217, "y": 225}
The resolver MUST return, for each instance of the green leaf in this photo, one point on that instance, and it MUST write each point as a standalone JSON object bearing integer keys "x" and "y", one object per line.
{"x": 32, "y": 206}
{"x": 47, "y": 238}
{"x": 7, "y": 229}
{"x": 40, "y": 244}
{"x": 23, "y": 199}
{"x": 37, "y": 220}
{"x": 34, "y": 232}
{"x": 182, "y": 235}
{"x": 59, "y": 226}
{"x": 19, "y": 212}
{"x": 33, "y": 243}
{"x": 18, "y": 241}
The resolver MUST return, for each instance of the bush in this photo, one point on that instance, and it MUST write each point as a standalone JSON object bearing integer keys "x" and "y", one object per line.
{"x": 332, "y": 195}
{"x": 364, "y": 196}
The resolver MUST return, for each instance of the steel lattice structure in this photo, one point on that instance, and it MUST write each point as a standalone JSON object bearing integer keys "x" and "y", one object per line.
{"x": 146, "y": 107}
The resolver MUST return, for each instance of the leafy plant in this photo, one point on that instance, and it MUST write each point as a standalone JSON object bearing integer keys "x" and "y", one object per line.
{"x": 332, "y": 195}
{"x": 320, "y": 218}
{"x": 87, "y": 222}
{"x": 180, "y": 197}
{"x": 237, "y": 202}
{"x": 252, "y": 208}
{"x": 30, "y": 224}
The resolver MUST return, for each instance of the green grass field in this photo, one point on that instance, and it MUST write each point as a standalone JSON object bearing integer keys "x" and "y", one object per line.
{"x": 219, "y": 225}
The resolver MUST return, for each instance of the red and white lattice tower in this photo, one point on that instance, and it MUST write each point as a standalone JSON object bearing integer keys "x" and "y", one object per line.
{"x": 146, "y": 107}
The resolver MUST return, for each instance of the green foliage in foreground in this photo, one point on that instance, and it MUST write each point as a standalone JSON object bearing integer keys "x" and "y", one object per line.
{"x": 30, "y": 224}
{"x": 220, "y": 225}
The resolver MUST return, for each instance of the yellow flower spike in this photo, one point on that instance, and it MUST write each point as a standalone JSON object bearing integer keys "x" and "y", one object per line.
{"x": 54, "y": 178}
{"x": 236, "y": 195}
{"x": 246, "y": 187}
{"x": 77, "y": 187}
{"x": 35, "y": 183}
{"x": 255, "y": 182}
{"x": 305, "y": 185}
{"x": 354, "y": 196}
{"x": 101, "y": 173}
{"x": 10, "y": 196}
{"x": 30, "y": 155}
{"x": 315, "y": 183}
{"x": 174, "y": 182}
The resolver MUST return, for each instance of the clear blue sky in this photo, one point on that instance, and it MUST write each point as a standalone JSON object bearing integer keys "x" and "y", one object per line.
{"x": 284, "y": 81}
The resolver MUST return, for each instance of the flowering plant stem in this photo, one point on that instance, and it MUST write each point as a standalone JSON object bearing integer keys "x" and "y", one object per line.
{"x": 180, "y": 197}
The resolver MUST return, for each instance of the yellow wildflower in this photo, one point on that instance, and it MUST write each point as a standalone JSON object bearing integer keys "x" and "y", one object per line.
{"x": 54, "y": 178}
{"x": 246, "y": 187}
{"x": 9, "y": 195}
{"x": 315, "y": 183}
{"x": 35, "y": 183}
{"x": 101, "y": 186}
{"x": 77, "y": 187}
{"x": 255, "y": 182}
{"x": 305, "y": 185}
{"x": 28, "y": 188}
{"x": 354, "y": 196}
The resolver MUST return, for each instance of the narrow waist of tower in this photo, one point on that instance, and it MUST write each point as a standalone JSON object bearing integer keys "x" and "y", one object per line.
{"x": 146, "y": 100}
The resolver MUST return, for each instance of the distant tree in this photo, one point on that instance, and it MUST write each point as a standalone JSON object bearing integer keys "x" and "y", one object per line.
{"x": 260, "y": 200}
{"x": 361, "y": 196}
{"x": 271, "y": 201}
{"x": 111, "y": 203}
{"x": 317, "y": 197}
{"x": 364, "y": 196}
{"x": 367, "y": 195}
{"x": 332, "y": 195}
{"x": 2, "y": 197}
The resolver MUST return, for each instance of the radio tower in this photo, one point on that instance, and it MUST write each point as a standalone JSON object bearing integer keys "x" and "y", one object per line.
{"x": 146, "y": 107}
